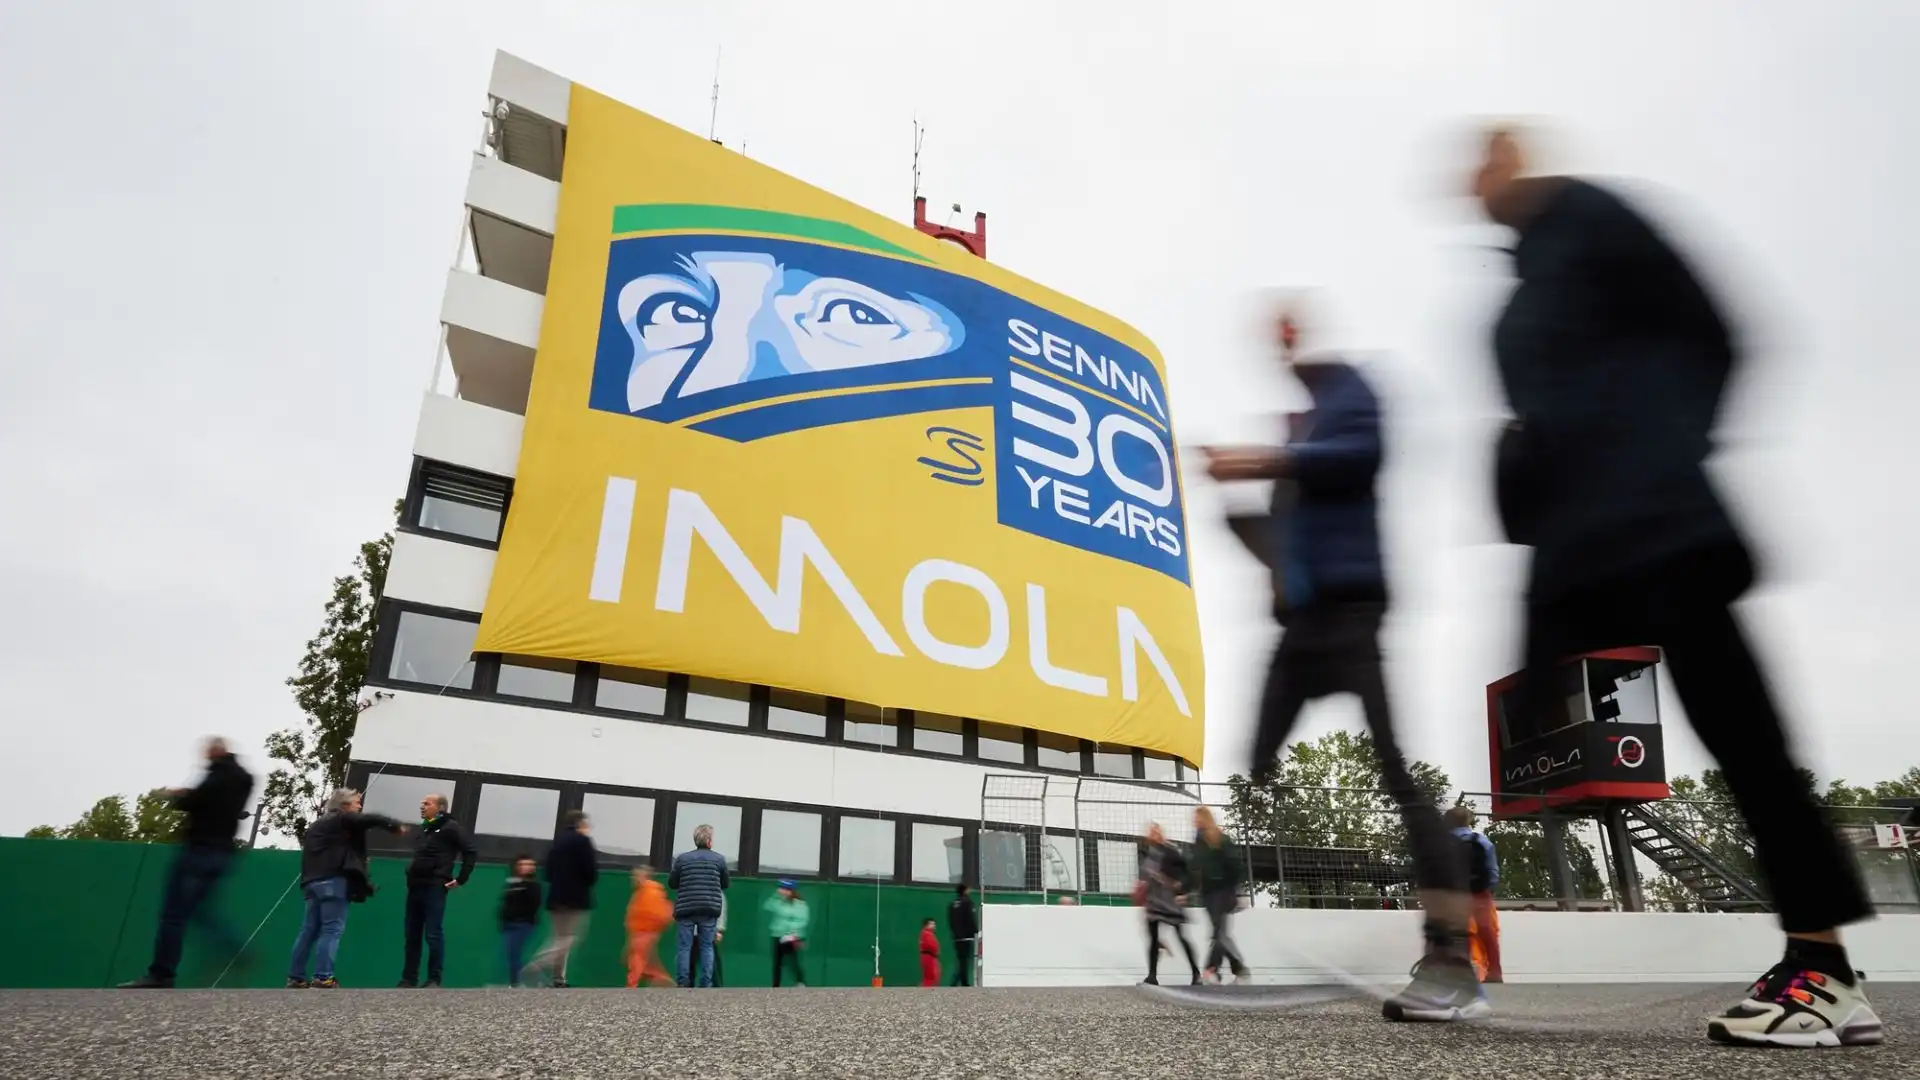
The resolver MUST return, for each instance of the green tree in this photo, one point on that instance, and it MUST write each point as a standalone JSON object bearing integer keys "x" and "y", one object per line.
{"x": 155, "y": 820}
{"x": 107, "y": 819}
{"x": 1526, "y": 871}
{"x": 43, "y": 832}
{"x": 327, "y": 687}
{"x": 1338, "y": 833}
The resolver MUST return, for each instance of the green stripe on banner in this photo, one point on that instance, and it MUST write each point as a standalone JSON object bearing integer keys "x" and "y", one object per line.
{"x": 660, "y": 217}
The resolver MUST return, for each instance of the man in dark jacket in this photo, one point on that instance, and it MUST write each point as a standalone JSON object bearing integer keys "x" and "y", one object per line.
{"x": 1322, "y": 543}
{"x": 1615, "y": 359}
{"x": 573, "y": 866}
{"x": 430, "y": 876}
{"x": 333, "y": 875}
{"x": 964, "y": 928}
{"x": 699, "y": 879}
{"x": 213, "y": 810}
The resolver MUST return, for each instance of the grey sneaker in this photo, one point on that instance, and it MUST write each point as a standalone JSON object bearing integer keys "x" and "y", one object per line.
{"x": 1790, "y": 1006}
{"x": 1444, "y": 989}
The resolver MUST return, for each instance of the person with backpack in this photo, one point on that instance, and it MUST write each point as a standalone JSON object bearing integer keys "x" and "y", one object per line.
{"x": 1483, "y": 873}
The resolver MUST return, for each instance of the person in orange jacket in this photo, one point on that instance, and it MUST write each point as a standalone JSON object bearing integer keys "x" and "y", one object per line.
{"x": 929, "y": 955}
{"x": 648, "y": 913}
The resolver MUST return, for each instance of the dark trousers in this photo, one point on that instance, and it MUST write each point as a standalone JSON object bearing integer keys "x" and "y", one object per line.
{"x": 1682, "y": 608}
{"x": 1153, "y": 947}
{"x": 1334, "y": 647}
{"x": 191, "y": 883}
{"x": 782, "y": 952}
{"x": 515, "y": 938}
{"x": 1219, "y": 910}
{"x": 426, "y": 911}
{"x": 962, "y": 962}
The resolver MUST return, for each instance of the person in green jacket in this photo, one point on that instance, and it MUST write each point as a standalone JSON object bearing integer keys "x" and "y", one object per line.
{"x": 1217, "y": 871}
{"x": 787, "y": 924}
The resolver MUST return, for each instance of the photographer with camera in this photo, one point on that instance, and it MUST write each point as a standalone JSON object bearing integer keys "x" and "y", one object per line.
{"x": 333, "y": 874}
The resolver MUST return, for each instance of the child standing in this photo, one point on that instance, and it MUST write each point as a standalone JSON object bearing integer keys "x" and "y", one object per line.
{"x": 929, "y": 955}
{"x": 519, "y": 914}
{"x": 787, "y": 924}
{"x": 648, "y": 913}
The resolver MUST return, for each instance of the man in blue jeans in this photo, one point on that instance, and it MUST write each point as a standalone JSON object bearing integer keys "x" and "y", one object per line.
{"x": 699, "y": 880}
{"x": 213, "y": 811}
{"x": 333, "y": 874}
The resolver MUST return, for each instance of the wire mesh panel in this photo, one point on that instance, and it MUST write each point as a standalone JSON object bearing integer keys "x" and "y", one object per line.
{"x": 1013, "y": 817}
{"x": 1112, "y": 817}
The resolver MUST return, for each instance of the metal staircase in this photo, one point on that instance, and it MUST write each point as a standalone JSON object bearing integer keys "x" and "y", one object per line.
{"x": 1676, "y": 853}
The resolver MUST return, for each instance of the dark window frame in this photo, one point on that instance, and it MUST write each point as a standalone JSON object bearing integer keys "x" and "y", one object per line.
{"x": 416, "y": 496}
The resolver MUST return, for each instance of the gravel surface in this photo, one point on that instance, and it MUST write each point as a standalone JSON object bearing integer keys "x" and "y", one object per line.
{"x": 1615, "y": 1032}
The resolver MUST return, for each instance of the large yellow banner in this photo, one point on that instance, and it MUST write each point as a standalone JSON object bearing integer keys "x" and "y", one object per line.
{"x": 779, "y": 439}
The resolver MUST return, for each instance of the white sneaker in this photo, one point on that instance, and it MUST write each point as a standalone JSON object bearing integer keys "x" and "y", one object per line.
{"x": 1790, "y": 1006}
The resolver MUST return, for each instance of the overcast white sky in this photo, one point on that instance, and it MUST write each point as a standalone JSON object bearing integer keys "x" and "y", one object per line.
{"x": 224, "y": 229}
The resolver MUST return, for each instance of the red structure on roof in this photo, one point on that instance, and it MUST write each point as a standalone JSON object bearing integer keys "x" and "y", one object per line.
{"x": 975, "y": 242}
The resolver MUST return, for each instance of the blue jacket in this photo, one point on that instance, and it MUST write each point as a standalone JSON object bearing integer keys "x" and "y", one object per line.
{"x": 698, "y": 880}
{"x": 1486, "y": 845}
{"x": 1326, "y": 519}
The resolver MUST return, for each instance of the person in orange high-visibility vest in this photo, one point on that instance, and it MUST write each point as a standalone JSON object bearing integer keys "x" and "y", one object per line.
{"x": 1483, "y": 873}
{"x": 648, "y": 913}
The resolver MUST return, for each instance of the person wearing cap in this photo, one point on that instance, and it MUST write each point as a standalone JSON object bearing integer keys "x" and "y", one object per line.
{"x": 787, "y": 920}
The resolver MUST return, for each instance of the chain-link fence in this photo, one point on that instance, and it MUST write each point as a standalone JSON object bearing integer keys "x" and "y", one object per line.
{"x": 1077, "y": 840}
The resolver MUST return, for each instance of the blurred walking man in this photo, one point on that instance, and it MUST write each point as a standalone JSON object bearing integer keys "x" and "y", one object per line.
{"x": 1321, "y": 540}
{"x": 213, "y": 809}
{"x": 1615, "y": 360}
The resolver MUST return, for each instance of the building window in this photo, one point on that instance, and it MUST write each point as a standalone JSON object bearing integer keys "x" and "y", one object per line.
{"x": 536, "y": 677}
{"x": 714, "y": 701}
{"x": 726, "y": 827}
{"x": 789, "y": 842}
{"x": 1003, "y": 859}
{"x": 939, "y": 855}
{"x": 866, "y": 847}
{"x": 999, "y": 742}
{"x": 1164, "y": 770}
{"x": 433, "y": 650}
{"x": 871, "y": 725}
{"x": 1109, "y": 762}
{"x": 631, "y": 690}
{"x": 938, "y": 733}
{"x": 797, "y": 714}
{"x": 1059, "y": 752}
{"x": 622, "y": 824}
{"x": 400, "y": 796}
{"x": 461, "y": 502}
{"x": 527, "y": 812}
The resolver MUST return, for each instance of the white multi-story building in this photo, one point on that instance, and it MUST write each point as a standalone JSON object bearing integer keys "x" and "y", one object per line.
{"x": 795, "y": 784}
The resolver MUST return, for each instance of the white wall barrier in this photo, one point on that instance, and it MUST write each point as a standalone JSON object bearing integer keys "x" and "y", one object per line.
{"x": 1031, "y": 945}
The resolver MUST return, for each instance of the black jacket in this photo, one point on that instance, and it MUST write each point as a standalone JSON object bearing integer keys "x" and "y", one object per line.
{"x": 573, "y": 865}
{"x": 336, "y": 846}
{"x": 442, "y": 840}
{"x": 1614, "y": 359}
{"x": 961, "y": 922}
{"x": 1216, "y": 871}
{"x": 215, "y": 808}
{"x": 520, "y": 903}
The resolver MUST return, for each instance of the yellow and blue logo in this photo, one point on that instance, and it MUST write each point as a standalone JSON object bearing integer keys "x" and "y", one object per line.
{"x": 775, "y": 438}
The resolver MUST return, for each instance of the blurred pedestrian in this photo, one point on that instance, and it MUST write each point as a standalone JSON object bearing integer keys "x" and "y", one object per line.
{"x": 1615, "y": 359}
{"x": 213, "y": 809}
{"x": 648, "y": 913}
{"x": 787, "y": 922}
{"x": 1483, "y": 873}
{"x": 963, "y": 926}
{"x": 699, "y": 881}
{"x": 929, "y": 955}
{"x": 430, "y": 877}
{"x": 1217, "y": 872}
{"x": 1164, "y": 877}
{"x": 1320, "y": 539}
{"x": 519, "y": 914}
{"x": 573, "y": 867}
{"x": 333, "y": 875}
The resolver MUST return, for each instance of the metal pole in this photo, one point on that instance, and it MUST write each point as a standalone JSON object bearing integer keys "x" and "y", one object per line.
{"x": 1558, "y": 871}
{"x": 258, "y": 810}
{"x": 1079, "y": 852}
{"x": 1626, "y": 872}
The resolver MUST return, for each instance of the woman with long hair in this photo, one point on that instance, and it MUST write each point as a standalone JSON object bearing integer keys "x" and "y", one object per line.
{"x": 1163, "y": 892}
{"x": 1216, "y": 875}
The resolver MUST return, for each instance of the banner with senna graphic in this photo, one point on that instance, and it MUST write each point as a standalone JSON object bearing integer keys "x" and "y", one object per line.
{"x": 775, "y": 438}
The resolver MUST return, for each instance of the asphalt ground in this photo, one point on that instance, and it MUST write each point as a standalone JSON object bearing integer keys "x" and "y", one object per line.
{"x": 1614, "y": 1032}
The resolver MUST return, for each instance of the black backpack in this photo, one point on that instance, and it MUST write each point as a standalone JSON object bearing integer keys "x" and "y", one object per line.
{"x": 1479, "y": 867}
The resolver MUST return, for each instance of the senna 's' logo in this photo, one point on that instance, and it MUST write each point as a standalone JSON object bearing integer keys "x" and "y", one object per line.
{"x": 962, "y": 445}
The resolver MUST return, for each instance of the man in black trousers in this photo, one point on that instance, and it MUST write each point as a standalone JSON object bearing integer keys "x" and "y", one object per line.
{"x": 213, "y": 809}
{"x": 963, "y": 925}
{"x": 430, "y": 877}
{"x": 1615, "y": 359}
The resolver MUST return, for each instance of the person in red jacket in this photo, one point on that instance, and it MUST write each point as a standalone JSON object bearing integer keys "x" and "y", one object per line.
{"x": 929, "y": 955}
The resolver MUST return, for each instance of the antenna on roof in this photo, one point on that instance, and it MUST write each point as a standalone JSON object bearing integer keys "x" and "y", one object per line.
{"x": 713, "y": 114}
{"x": 919, "y": 137}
